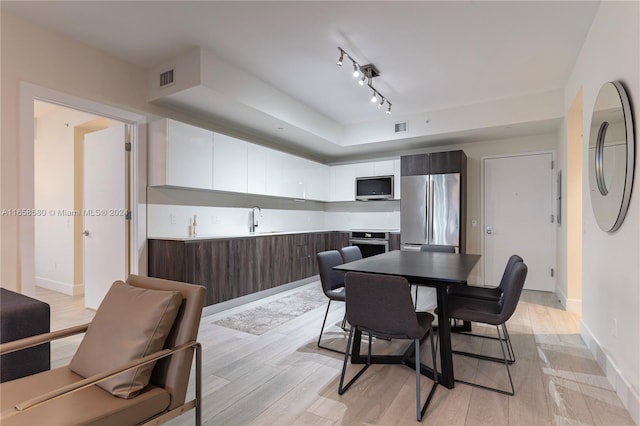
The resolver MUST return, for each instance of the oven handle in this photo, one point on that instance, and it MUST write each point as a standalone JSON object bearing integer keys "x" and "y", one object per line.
{"x": 372, "y": 242}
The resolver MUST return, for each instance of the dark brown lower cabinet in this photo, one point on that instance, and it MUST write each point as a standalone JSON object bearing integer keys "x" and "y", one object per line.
{"x": 235, "y": 267}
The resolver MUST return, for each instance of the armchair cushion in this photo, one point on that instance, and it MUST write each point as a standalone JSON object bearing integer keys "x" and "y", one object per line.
{"x": 131, "y": 322}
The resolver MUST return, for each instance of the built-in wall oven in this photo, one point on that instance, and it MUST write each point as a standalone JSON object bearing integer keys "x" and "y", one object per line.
{"x": 370, "y": 242}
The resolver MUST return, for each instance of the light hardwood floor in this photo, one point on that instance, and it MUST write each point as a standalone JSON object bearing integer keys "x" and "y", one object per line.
{"x": 282, "y": 378}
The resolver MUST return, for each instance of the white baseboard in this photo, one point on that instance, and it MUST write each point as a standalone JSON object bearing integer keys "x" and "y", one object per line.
{"x": 570, "y": 305}
{"x": 629, "y": 397}
{"x": 59, "y": 286}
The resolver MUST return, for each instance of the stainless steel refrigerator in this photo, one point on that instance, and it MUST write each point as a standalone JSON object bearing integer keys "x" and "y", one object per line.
{"x": 430, "y": 210}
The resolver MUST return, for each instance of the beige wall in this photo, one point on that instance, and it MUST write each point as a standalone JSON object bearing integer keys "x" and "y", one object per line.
{"x": 610, "y": 267}
{"x": 46, "y": 59}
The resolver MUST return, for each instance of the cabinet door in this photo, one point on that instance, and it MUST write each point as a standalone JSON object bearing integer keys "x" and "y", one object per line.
{"x": 414, "y": 165}
{"x": 446, "y": 162}
{"x": 257, "y": 157}
{"x": 293, "y": 176}
{"x": 317, "y": 180}
{"x": 207, "y": 264}
{"x": 180, "y": 155}
{"x": 396, "y": 179}
{"x": 275, "y": 173}
{"x": 383, "y": 168}
{"x": 344, "y": 182}
{"x": 229, "y": 164}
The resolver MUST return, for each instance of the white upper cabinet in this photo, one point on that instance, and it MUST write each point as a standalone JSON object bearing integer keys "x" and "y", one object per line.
{"x": 318, "y": 179}
{"x": 343, "y": 180}
{"x": 257, "y": 168}
{"x": 396, "y": 179}
{"x": 383, "y": 168}
{"x": 186, "y": 156}
{"x": 229, "y": 163}
{"x": 180, "y": 155}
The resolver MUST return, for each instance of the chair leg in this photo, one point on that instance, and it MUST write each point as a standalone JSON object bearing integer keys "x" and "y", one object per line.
{"x": 415, "y": 306}
{"x": 421, "y": 410}
{"x": 503, "y": 343}
{"x": 342, "y": 389}
{"x": 198, "y": 384}
{"x": 322, "y": 330}
{"x": 504, "y": 338}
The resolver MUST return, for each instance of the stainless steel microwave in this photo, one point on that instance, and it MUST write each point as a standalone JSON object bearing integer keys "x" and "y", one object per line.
{"x": 374, "y": 188}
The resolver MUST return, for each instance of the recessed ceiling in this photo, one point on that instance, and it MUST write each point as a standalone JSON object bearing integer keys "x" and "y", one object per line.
{"x": 432, "y": 55}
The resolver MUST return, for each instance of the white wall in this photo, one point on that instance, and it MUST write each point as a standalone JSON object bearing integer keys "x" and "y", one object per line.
{"x": 611, "y": 275}
{"x": 54, "y": 193}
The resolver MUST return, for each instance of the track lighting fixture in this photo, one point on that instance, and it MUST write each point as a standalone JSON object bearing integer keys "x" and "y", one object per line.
{"x": 365, "y": 75}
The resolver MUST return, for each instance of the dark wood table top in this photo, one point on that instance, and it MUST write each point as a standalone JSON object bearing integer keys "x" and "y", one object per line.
{"x": 416, "y": 266}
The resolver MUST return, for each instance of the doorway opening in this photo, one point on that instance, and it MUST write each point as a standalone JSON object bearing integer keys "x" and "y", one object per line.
{"x": 65, "y": 195}
{"x": 135, "y": 170}
{"x": 570, "y": 291}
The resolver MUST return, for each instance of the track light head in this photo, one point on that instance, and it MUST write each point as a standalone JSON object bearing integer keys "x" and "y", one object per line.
{"x": 374, "y": 97}
{"x": 388, "y": 109}
{"x": 339, "y": 63}
{"x": 362, "y": 80}
{"x": 381, "y": 102}
{"x": 356, "y": 70}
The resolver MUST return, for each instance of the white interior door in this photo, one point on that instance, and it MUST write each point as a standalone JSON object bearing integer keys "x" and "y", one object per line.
{"x": 518, "y": 218}
{"x": 105, "y": 204}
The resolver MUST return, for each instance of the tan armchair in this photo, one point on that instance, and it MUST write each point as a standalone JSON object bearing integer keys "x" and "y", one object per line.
{"x": 132, "y": 366}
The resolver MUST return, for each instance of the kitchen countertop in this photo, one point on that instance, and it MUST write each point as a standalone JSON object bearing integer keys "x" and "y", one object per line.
{"x": 263, "y": 234}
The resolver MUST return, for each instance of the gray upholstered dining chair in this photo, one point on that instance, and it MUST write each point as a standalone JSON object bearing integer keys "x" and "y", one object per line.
{"x": 332, "y": 282}
{"x": 491, "y": 294}
{"x": 495, "y": 313}
{"x": 350, "y": 253}
{"x": 484, "y": 293}
{"x": 381, "y": 306}
{"x": 432, "y": 248}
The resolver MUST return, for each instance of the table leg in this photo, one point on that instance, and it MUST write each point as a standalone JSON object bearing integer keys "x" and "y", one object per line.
{"x": 444, "y": 331}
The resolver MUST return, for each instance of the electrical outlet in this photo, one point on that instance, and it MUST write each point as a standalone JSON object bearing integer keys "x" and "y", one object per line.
{"x": 172, "y": 219}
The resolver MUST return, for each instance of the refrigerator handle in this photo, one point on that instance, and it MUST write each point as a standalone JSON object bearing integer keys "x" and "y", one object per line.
{"x": 430, "y": 208}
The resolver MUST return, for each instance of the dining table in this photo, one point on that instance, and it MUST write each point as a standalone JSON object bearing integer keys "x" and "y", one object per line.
{"x": 432, "y": 269}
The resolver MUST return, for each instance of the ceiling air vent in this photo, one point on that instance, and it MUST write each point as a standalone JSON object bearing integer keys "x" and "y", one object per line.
{"x": 401, "y": 127}
{"x": 166, "y": 78}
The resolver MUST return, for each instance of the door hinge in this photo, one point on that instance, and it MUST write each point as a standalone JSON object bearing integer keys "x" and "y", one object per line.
{"x": 552, "y": 218}
{"x": 552, "y": 272}
{"x": 127, "y": 146}
{"x": 128, "y": 216}
{"x": 553, "y": 164}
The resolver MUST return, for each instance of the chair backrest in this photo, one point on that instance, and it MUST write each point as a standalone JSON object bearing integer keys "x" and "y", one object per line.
{"x": 512, "y": 290}
{"x": 381, "y": 304}
{"x": 330, "y": 278}
{"x": 350, "y": 253}
{"x": 512, "y": 261}
{"x": 172, "y": 373}
{"x": 437, "y": 248}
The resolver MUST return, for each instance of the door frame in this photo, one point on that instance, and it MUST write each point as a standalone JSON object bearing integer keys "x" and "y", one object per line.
{"x": 26, "y": 189}
{"x": 482, "y": 202}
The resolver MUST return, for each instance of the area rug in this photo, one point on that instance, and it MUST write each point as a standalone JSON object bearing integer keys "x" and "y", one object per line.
{"x": 263, "y": 318}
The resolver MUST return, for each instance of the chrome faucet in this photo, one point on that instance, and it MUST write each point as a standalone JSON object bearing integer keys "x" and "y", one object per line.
{"x": 253, "y": 219}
